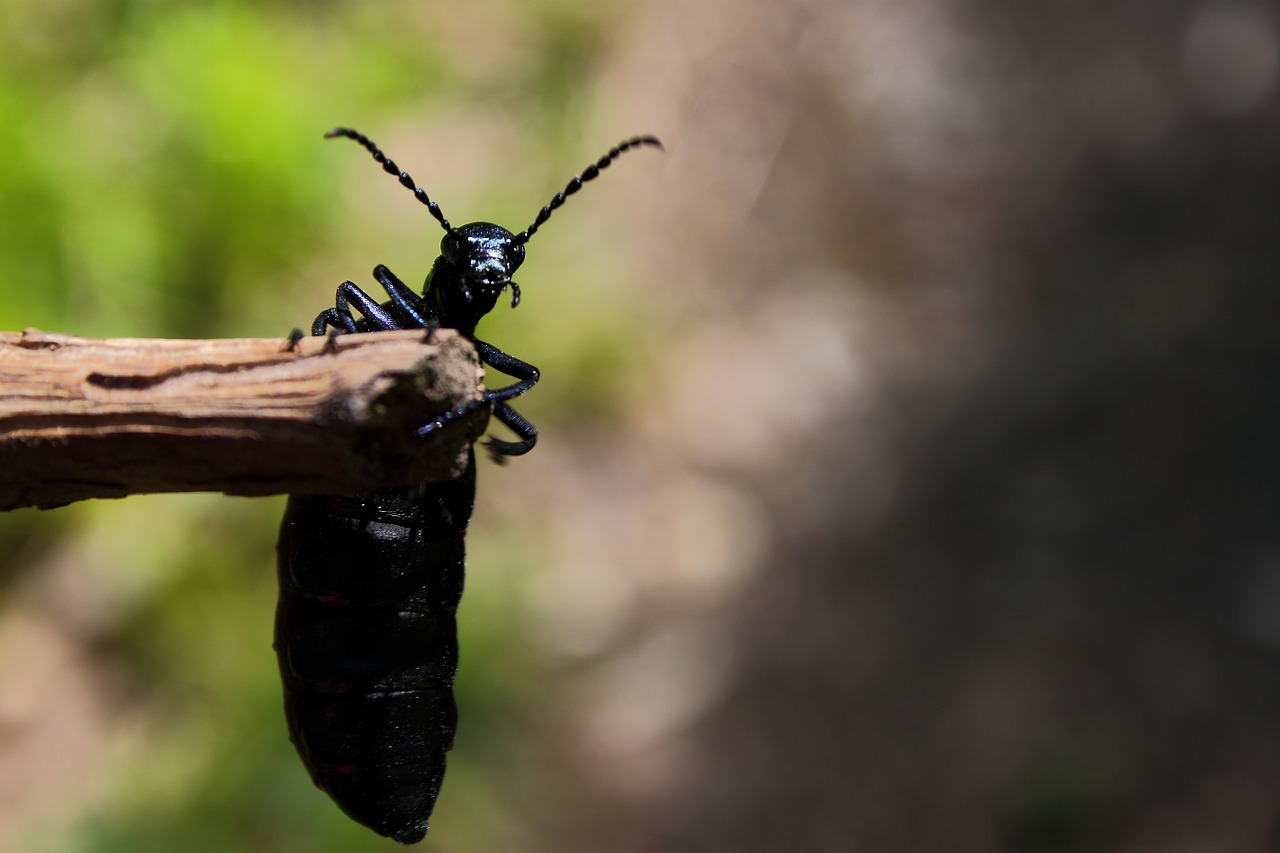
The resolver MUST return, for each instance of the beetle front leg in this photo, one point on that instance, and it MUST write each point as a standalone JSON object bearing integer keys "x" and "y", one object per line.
{"x": 528, "y": 376}
{"x": 510, "y": 365}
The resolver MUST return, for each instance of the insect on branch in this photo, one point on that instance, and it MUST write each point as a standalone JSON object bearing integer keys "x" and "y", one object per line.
{"x": 104, "y": 418}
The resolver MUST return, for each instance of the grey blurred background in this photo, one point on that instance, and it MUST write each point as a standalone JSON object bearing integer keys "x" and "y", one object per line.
{"x": 908, "y": 478}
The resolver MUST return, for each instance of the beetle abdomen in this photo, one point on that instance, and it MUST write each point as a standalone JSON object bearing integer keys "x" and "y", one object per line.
{"x": 367, "y": 645}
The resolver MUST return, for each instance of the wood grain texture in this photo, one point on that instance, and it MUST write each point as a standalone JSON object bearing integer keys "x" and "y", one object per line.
{"x": 82, "y": 417}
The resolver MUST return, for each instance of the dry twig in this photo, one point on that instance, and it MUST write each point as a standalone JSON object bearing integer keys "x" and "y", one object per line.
{"x": 97, "y": 418}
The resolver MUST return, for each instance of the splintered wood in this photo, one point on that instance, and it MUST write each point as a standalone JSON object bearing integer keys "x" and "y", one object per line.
{"x": 104, "y": 418}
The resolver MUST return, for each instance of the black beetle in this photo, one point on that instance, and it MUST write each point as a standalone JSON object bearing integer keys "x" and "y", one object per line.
{"x": 369, "y": 584}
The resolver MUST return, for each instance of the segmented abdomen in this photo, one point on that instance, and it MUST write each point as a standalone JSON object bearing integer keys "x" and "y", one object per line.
{"x": 367, "y": 644}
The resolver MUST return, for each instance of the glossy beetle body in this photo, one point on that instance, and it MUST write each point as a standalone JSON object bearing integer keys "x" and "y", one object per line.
{"x": 369, "y": 584}
{"x": 368, "y": 648}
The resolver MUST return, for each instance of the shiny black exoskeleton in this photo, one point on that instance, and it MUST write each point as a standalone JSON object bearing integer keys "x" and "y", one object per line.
{"x": 369, "y": 584}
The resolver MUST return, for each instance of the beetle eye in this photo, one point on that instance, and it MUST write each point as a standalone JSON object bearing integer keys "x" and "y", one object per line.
{"x": 451, "y": 245}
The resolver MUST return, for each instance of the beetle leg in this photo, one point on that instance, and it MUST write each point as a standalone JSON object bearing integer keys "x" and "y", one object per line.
{"x": 413, "y": 305}
{"x": 443, "y": 419}
{"x": 528, "y": 376}
{"x": 510, "y": 365}
{"x": 374, "y": 314}
{"x": 326, "y": 318}
{"x": 331, "y": 342}
{"x": 341, "y": 318}
{"x": 498, "y": 449}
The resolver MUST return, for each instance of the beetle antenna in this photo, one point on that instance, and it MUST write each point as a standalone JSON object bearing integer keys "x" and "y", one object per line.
{"x": 389, "y": 166}
{"x": 588, "y": 174}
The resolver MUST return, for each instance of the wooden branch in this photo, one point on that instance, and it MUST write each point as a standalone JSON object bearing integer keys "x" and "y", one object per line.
{"x": 94, "y": 418}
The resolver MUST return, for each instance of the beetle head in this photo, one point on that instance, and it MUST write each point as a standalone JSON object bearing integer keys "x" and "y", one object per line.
{"x": 484, "y": 256}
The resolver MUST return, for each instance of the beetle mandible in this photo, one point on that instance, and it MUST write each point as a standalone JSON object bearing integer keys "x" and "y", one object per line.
{"x": 369, "y": 584}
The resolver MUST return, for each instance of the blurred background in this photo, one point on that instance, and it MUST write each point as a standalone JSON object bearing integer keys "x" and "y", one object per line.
{"x": 908, "y": 477}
